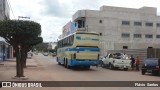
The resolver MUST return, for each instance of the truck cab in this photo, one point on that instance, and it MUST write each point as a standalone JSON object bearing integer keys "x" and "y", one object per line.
{"x": 116, "y": 61}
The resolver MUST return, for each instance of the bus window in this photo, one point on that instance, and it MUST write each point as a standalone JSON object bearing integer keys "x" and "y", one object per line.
{"x": 72, "y": 38}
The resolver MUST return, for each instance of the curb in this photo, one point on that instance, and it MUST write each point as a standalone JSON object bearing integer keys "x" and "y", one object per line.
{"x": 1, "y": 64}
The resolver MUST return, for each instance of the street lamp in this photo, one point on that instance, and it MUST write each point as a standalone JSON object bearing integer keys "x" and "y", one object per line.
{"x": 23, "y": 17}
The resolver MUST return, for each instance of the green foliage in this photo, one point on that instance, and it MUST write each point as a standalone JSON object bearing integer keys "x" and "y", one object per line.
{"x": 45, "y": 50}
{"x": 21, "y": 33}
{"x": 52, "y": 50}
{"x": 41, "y": 47}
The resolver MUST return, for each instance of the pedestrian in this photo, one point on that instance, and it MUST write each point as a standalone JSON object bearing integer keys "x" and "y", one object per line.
{"x": 137, "y": 63}
{"x": 132, "y": 62}
{"x": 110, "y": 55}
{"x": 124, "y": 56}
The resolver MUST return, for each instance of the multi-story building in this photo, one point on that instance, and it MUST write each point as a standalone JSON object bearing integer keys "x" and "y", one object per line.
{"x": 52, "y": 45}
{"x": 121, "y": 28}
{"x": 6, "y": 51}
{"x": 4, "y": 10}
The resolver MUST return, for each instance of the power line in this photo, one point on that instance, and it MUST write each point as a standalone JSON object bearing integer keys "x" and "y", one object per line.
{"x": 11, "y": 8}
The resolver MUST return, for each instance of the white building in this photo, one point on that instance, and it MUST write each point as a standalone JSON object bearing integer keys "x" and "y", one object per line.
{"x": 4, "y": 10}
{"x": 52, "y": 45}
{"x": 6, "y": 51}
{"x": 122, "y": 28}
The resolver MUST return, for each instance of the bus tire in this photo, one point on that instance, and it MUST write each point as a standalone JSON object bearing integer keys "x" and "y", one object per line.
{"x": 67, "y": 65}
{"x": 87, "y": 67}
{"x": 64, "y": 62}
{"x": 59, "y": 63}
{"x": 57, "y": 59}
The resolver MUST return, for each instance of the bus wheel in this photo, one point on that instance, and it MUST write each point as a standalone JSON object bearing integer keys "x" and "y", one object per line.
{"x": 65, "y": 63}
{"x": 87, "y": 67}
{"x": 57, "y": 59}
{"x": 67, "y": 66}
{"x": 59, "y": 63}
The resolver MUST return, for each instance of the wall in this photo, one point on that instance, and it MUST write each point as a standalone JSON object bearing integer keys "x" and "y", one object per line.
{"x": 111, "y": 26}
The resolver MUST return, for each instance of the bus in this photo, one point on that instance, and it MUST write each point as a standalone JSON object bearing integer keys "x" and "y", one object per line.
{"x": 79, "y": 49}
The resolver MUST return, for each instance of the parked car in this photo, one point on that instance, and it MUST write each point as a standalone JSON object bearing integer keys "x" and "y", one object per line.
{"x": 100, "y": 59}
{"x": 54, "y": 54}
{"x": 36, "y": 53}
{"x": 45, "y": 53}
{"x": 116, "y": 62}
{"x": 151, "y": 65}
{"x": 29, "y": 55}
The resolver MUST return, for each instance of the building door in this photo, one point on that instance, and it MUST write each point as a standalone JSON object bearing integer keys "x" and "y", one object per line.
{"x": 3, "y": 53}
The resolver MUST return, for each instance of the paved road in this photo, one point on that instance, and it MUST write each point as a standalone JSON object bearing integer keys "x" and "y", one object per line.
{"x": 54, "y": 72}
{"x": 48, "y": 70}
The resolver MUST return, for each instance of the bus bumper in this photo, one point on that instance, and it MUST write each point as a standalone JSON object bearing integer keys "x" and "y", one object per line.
{"x": 85, "y": 62}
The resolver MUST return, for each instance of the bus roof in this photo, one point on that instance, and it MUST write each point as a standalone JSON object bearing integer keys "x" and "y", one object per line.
{"x": 80, "y": 32}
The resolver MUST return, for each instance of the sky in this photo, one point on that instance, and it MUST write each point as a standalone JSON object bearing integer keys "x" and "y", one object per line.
{"x": 54, "y": 14}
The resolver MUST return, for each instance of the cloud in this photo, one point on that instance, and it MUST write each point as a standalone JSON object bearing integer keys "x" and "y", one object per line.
{"x": 86, "y": 4}
{"x": 54, "y": 8}
{"x": 52, "y": 27}
{"x": 54, "y": 14}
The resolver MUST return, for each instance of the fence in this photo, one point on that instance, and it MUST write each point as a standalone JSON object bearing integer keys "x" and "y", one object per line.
{"x": 153, "y": 53}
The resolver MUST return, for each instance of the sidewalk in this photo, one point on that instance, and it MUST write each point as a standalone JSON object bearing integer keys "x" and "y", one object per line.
{"x": 12, "y": 62}
{"x": 8, "y": 69}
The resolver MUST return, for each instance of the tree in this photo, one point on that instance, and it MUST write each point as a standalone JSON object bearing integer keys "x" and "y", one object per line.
{"x": 28, "y": 45}
{"x": 22, "y": 35}
{"x": 42, "y": 47}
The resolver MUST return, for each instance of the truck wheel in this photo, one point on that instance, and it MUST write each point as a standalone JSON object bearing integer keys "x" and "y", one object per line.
{"x": 157, "y": 73}
{"x": 111, "y": 66}
{"x": 102, "y": 65}
{"x": 125, "y": 69}
{"x": 143, "y": 71}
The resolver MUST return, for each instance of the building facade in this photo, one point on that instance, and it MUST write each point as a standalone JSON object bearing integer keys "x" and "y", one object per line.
{"x": 6, "y": 51}
{"x": 4, "y": 10}
{"x": 69, "y": 28}
{"x": 121, "y": 28}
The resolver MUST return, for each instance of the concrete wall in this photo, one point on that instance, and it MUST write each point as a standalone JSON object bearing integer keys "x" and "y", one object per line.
{"x": 111, "y": 26}
{"x": 5, "y": 49}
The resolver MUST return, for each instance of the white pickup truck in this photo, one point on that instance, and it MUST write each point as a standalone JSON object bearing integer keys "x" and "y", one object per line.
{"x": 118, "y": 62}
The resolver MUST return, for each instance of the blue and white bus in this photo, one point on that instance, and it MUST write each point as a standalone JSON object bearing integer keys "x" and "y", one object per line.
{"x": 79, "y": 49}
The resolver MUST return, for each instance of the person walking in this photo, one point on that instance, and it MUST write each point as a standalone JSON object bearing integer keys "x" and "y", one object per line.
{"x": 132, "y": 62}
{"x": 137, "y": 63}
